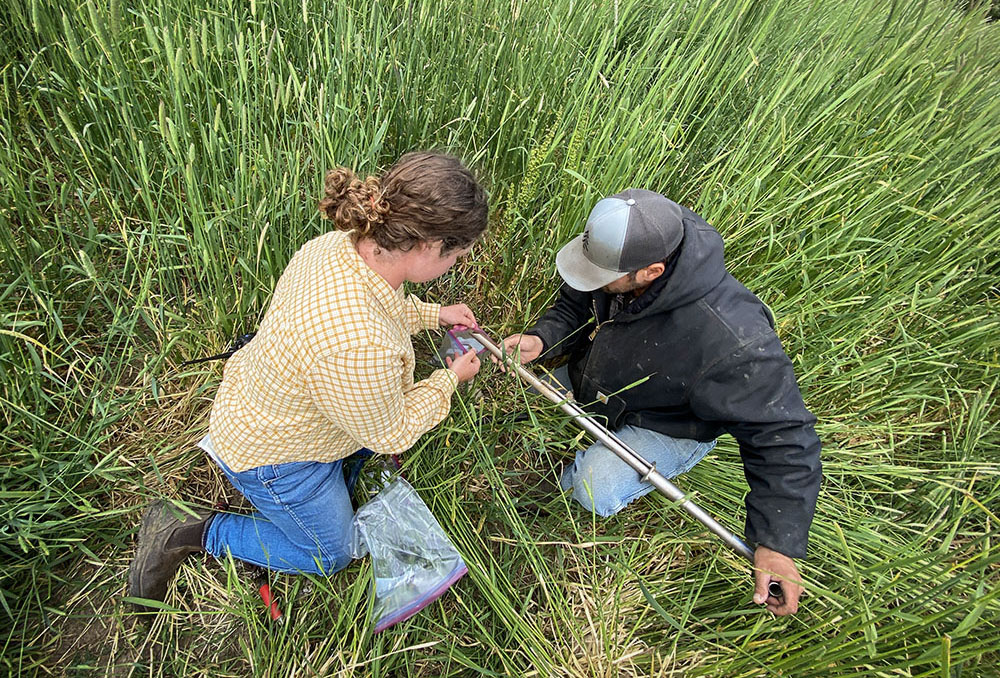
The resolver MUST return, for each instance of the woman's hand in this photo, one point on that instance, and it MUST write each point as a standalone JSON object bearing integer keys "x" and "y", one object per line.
{"x": 465, "y": 366}
{"x": 459, "y": 314}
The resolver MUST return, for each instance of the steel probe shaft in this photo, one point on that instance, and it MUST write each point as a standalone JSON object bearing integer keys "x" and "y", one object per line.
{"x": 646, "y": 470}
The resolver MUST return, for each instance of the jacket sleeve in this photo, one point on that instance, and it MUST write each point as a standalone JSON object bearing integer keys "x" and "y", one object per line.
{"x": 753, "y": 394}
{"x": 565, "y": 324}
{"x": 360, "y": 390}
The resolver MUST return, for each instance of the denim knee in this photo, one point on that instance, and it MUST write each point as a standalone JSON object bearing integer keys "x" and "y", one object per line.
{"x": 605, "y": 484}
{"x": 322, "y": 559}
{"x": 333, "y": 555}
{"x": 596, "y": 498}
{"x": 333, "y": 563}
{"x": 594, "y": 484}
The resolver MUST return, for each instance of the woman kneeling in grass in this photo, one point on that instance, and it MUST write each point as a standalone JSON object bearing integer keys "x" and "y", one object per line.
{"x": 330, "y": 371}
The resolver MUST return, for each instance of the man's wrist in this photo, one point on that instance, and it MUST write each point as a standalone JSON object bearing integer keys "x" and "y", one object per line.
{"x": 773, "y": 550}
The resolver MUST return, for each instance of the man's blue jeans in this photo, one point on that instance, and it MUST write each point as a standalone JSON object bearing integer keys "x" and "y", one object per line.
{"x": 605, "y": 484}
{"x": 602, "y": 482}
{"x": 304, "y": 518}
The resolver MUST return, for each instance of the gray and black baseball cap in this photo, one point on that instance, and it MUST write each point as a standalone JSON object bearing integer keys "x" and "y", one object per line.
{"x": 626, "y": 232}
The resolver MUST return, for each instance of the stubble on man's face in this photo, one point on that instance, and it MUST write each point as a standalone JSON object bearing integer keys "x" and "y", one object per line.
{"x": 626, "y": 283}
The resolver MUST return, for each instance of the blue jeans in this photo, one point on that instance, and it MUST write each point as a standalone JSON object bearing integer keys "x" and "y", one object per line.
{"x": 605, "y": 484}
{"x": 304, "y": 522}
{"x": 602, "y": 482}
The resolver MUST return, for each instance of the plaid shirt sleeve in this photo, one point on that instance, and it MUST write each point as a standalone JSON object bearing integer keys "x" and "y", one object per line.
{"x": 360, "y": 391}
{"x": 421, "y": 315}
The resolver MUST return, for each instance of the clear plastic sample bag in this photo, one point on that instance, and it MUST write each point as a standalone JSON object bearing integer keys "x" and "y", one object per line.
{"x": 457, "y": 341}
{"x": 413, "y": 562}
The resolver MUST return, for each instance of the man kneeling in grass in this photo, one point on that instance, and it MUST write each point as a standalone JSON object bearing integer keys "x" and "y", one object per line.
{"x": 648, "y": 299}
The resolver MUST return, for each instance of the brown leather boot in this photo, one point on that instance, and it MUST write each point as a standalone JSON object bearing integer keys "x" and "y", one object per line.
{"x": 166, "y": 537}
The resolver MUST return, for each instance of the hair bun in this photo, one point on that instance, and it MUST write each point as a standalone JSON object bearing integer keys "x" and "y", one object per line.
{"x": 425, "y": 196}
{"x": 352, "y": 204}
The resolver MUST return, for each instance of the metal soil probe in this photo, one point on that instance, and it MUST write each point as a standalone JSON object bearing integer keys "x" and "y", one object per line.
{"x": 646, "y": 470}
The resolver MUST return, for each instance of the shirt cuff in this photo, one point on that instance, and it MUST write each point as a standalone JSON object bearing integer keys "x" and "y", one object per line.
{"x": 449, "y": 376}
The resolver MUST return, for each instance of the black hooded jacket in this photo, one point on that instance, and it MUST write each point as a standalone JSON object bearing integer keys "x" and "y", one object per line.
{"x": 712, "y": 363}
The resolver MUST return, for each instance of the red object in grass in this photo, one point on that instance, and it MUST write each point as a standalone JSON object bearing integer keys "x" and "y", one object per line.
{"x": 272, "y": 607}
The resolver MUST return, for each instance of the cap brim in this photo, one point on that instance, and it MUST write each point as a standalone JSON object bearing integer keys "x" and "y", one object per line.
{"x": 578, "y": 272}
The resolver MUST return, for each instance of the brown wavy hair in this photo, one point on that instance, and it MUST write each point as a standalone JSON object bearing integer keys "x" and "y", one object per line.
{"x": 424, "y": 197}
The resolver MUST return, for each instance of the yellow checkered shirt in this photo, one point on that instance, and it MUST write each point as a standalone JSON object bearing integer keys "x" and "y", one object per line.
{"x": 331, "y": 368}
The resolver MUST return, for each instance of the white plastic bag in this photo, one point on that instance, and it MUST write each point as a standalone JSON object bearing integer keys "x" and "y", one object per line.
{"x": 413, "y": 562}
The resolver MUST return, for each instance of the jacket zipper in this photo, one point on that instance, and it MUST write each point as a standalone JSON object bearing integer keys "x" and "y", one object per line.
{"x": 597, "y": 322}
{"x": 590, "y": 354}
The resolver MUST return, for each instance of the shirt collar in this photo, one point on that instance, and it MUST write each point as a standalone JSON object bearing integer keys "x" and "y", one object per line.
{"x": 390, "y": 299}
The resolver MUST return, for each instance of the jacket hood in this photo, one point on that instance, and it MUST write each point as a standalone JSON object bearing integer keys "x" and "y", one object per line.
{"x": 699, "y": 268}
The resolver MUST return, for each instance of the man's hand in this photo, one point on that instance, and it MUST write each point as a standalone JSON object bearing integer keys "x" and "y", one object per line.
{"x": 465, "y": 366}
{"x": 771, "y": 566}
{"x": 459, "y": 314}
{"x": 529, "y": 345}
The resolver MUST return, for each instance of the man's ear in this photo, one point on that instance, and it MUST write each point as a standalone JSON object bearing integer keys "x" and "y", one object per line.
{"x": 653, "y": 271}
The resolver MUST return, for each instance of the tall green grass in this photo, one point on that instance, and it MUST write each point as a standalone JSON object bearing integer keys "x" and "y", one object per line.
{"x": 159, "y": 164}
